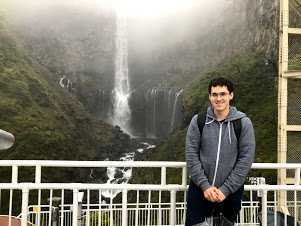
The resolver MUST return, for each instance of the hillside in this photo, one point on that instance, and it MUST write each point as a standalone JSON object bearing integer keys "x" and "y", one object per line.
{"x": 47, "y": 121}
{"x": 255, "y": 94}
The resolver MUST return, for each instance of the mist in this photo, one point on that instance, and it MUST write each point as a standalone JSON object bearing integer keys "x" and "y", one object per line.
{"x": 80, "y": 35}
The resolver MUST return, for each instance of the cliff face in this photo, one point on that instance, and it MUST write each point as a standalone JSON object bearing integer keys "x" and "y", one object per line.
{"x": 76, "y": 44}
{"x": 176, "y": 50}
{"x": 241, "y": 46}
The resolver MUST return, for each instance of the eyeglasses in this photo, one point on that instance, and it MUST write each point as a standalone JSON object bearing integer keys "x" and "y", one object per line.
{"x": 221, "y": 95}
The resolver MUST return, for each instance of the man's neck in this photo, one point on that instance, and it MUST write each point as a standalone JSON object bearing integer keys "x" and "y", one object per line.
{"x": 221, "y": 115}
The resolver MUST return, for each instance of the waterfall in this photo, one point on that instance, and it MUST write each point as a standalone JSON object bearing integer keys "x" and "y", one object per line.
{"x": 121, "y": 109}
{"x": 162, "y": 109}
{"x": 174, "y": 111}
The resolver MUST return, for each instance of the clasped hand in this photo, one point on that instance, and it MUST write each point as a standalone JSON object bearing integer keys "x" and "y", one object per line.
{"x": 213, "y": 194}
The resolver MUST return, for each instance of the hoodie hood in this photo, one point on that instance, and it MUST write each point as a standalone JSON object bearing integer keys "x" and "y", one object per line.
{"x": 234, "y": 114}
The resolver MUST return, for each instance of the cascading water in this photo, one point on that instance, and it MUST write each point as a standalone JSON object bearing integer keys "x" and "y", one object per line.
{"x": 121, "y": 108}
{"x": 174, "y": 111}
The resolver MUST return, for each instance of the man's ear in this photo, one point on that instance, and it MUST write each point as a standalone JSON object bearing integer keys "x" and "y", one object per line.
{"x": 231, "y": 96}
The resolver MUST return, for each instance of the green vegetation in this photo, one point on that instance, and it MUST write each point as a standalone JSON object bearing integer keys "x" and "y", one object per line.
{"x": 47, "y": 121}
{"x": 255, "y": 94}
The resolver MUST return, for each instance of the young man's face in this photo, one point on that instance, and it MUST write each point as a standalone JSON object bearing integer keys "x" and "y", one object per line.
{"x": 220, "y": 98}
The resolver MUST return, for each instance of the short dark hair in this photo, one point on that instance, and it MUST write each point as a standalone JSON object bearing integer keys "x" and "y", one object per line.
{"x": 221, "y": 82}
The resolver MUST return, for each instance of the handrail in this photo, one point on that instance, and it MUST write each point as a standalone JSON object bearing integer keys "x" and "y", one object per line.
{"x": 68, "y": 163}
{"x": 84, "y": 186}
{"x": 129, "y": 187}
{"x": 64, "y": 163}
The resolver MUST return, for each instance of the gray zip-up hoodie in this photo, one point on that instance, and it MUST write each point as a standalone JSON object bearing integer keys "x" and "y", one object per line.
{"x": 216, "y": 158}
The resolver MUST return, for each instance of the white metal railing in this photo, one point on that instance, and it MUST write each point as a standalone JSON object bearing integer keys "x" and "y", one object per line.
{"x": 161, "y": 204}
{"x": 126, "y": 214}
{"x": 39, "y": 164}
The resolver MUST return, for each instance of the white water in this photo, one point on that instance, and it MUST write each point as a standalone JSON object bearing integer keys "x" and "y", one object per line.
{"x": 121, "y": 109}
{"x": 64, "y": 84}
{"x": 125, "y": 173}
{"x": 174, "y": 110}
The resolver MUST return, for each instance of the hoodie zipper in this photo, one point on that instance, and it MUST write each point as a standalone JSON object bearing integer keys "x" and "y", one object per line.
{"x": 218, "y": 151}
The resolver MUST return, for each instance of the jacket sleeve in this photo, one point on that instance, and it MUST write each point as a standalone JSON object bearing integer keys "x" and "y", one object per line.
{"x": 194, "y": 165}
{"x": 244, "y": 161}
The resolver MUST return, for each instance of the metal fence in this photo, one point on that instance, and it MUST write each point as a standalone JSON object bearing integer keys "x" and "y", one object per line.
{"x": 64, "y": 204}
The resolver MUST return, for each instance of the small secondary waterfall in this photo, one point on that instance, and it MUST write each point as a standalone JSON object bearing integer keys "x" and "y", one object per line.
{"x": 163, "y": 111}
{"x": 121, "y": 108}
{"x": 174, "y": 111}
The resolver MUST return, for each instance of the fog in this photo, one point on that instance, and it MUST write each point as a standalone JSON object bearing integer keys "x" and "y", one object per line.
{"x": 71, "y": 36}
{"x": 182, "y": 19}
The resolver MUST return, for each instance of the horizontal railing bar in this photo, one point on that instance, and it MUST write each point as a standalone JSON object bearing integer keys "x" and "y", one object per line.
{"x": 80, "y": 186}
{"x": 276, "y": 165}
{"x": 272, "y": 187}
{"x": 140, "y": 164}
{"x": 292, "y": 74}
{"x": 293, "y": 128}
{"x": 293, "y": 30}
{"x": 60, "y": 163}
{"x": 129, "y": 187}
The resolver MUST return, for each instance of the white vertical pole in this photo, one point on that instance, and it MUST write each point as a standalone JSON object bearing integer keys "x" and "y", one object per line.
{"x": 75, "y": 208}
{"x": 38, "y": 174}
{"x": 99, "y": 207}
{"x": 264, "y": 208}
{"x": 282, "y": 97}
{"x": 88, "y": 208}
{"x": 62, "y": 207}
{"x": 297, "y": 176}
{"x": 111, "y": 209}
{"x": 124, "y": 207}
{"x": 172, "y": 208}
{"x": 137, "y": 209}
{"x": 39, "y": 208}
{"x": 160, "y": 210}
{"x": 11, "y": 191}
{"x": 50, "y": 207}
{"x": 297, "y": 182}
{"x": 37, "y": 181}
{"x": 14, "y": 175}
{"x": 184, "y": 212}
{"x": 25, "y": 193}
{"x": 14, "y": 180}
{"x": 252, "y": 206}
{"x": 163, "y": 175}
{"x": 184, "y": 176}
{"x": 148, "y": 207}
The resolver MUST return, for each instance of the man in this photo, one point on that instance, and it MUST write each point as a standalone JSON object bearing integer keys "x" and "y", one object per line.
{"x": 218, "y": 159}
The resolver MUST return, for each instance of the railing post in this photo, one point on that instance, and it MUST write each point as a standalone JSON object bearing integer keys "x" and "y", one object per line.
{"x": 14, "y": 174}
{"x": 160, "y": 210}
{"x": 297, "y": 176}
{"x": 137, "y": 209}
{"x": 264, "y": 212}
{"x": 111, "y": 210}
{"x": 184, "y": 176}
{"x": 75, "y": 221}
{"x": 124, "y": 207}
{"x": 172, "y": 208}
{"x": 38, "y": 174}
{"x": 163, "y": 175}
{"x": 88, "y": 215}
{"x": 25, "y": 194}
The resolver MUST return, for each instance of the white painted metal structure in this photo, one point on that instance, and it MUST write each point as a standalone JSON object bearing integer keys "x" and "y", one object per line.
{"x": 289, "y": 57}
{"x": 137, "y": 204}
{"x": 285, "y": 74}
